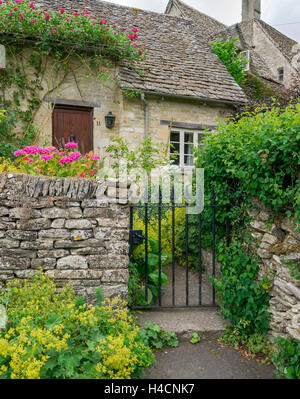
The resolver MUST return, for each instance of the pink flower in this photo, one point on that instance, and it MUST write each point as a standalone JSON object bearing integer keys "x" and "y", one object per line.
{"x": 47, "y": 16}
{"x": 68, "y": 19}
{"x": 33, "y": 21}
{"x": 75, "y": 14}
{"x": 19, "y": 152}
{"x": 74, "y": 156}
{"x": 64, "y": 160}
{"x": 31, "y": 5}
{"x": 123, "y": 29}
{"x": 95, "y": 158}
{"x": 86, "y": 12}
{"x": 83, "y": 175}
{"x": 62, "y": 10}
{"x": 134, "y": 30}
{"x": 71, "y": 145}
{"x": 16, "y": 9}
{"x": 21, "y": 17}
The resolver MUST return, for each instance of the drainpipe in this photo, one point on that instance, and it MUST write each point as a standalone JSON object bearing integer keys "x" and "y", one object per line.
{"x": 146, "y": 115}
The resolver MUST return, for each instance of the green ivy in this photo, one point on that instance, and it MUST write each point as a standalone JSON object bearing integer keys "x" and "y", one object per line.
{"x": 287, "y": 358}
{"x": 229, "y": 55}
{"x": 243, "y": 299}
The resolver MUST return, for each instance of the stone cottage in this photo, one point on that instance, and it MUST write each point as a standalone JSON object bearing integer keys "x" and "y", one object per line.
{"x": 186, "y": 86}
{"x": 273, "y": 56}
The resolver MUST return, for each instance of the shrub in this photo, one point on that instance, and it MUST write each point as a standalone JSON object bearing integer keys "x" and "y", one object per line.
{"x": 53, "y": 162}
{"x": 257, "y": 156}
{"x": 287, "y": 357}
{"x": 243, "y": 299}
{"x": 51, "y": 334}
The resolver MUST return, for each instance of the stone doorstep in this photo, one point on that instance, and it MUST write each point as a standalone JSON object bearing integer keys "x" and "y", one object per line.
{"x": 206, "y": 321}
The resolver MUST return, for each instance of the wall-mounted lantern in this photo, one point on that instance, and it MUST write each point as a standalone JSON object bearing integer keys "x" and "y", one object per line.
{"x": 110, "y": 120}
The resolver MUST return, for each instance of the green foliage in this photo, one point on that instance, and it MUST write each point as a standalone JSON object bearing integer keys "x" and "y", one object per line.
{"x": 257, "y": 156}
{"x": 294, "y": 268}
{"x": 56, "y": 40}
{"x": 195, "y": 339}
{"x": 51, "y": 334}
{"x": 228, "y": 54}
{"x": 243, "y": 299}
{"x": 287, "y": 357}
{"x": 138, "y": 273}
{"x": 154, "y": 337}
{"x": 143, "y": 158}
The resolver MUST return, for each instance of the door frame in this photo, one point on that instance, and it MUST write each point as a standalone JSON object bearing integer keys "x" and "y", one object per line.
{"x": 74, "y": 108}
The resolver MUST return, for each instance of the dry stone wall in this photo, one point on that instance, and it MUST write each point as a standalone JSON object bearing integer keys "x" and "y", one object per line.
{"x": 75, "y": 230}
{"x": 278, "y": 243}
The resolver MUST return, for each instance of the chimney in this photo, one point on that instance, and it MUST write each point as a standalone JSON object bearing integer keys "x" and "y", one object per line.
{"x": 251, "y": 9}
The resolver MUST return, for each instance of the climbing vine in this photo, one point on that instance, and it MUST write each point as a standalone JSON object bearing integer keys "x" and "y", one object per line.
{"x": 43, "y": 48}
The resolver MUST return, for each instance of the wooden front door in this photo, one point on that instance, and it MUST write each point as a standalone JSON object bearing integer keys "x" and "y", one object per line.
{"x": 73, "y": 124}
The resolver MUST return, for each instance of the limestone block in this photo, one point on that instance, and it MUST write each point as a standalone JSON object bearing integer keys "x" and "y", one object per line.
{"x": 58, "y": 224}
{"x": 44, "y": 263}
{"x": 34, "y": 224}
{"x": 38, "y": 244}
{"x": 54, "y": 213}
{"x": 79, "y": 224}
{"x": 9, "y": 243}
{"x": 79, "y": 235}
{"x": 72, "y": 262}
{"x": 11, "y": 263}
{"x": 55, "y": 234}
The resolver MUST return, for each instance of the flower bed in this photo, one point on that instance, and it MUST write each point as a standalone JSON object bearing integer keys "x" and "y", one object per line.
{"x": 52, "y": 161}
{"x": 52, "y": 334}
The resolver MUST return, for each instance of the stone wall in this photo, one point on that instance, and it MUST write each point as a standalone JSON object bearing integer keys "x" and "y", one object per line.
{"x": 72, "y": 229}
{"x": 279, "y": 242}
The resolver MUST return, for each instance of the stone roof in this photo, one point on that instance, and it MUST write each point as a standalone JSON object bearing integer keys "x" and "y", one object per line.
{"x": 206, "y": 25}
{"x": 281, "y": 41}
{"x": 180, "y": 61}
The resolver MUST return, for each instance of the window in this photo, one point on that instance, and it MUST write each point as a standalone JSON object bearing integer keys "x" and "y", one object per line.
{"x": 280, "y": 74}
{"x": 246, "y": 54}
{"x": 182, "y": 144}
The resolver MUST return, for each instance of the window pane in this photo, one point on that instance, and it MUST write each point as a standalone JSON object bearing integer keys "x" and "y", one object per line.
{"x": 174, "y": 147}
{"x": 175, "y": 137}
{"x": 188, "y": 160}
{"x": 189, "y": 138}
{"x": 188, "y": 149}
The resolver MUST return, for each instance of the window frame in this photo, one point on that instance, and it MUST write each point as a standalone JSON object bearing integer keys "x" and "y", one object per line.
{"x": 182, "y": 144}
{"x": 280, "y": 72}
{"x": 246, "y": 54}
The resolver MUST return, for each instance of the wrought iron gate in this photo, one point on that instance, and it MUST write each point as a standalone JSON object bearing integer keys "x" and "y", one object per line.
{"x": 138, "y": 237}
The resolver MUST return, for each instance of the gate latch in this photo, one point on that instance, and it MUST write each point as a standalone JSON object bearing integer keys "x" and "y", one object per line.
{"x": 136, "y": 237}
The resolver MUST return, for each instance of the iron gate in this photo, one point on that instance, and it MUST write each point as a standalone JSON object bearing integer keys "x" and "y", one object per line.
{"x": 138, "y": 237}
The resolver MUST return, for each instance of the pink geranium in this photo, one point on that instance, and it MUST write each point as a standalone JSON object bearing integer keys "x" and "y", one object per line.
{"x": 74, "y": 156}
{"x": 71, "y": 145}
{"x": 95, "y": 158}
